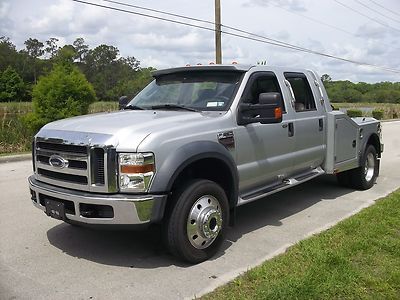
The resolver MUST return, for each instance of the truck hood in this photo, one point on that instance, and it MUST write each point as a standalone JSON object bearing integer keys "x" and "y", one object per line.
{"x": 126, "y": 129}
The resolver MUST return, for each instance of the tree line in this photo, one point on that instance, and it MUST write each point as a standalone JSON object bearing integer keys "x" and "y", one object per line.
{"x": 110, "y": 74}
{"x": 347, "y": 91}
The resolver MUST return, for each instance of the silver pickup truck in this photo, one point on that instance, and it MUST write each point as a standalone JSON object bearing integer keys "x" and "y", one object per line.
{"x": 195, "y": 144}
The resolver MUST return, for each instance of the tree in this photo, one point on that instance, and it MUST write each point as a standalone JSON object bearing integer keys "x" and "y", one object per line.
{"x": 35, "y": 50}
{"x": 81, "y": 49}
{"x": 66, "y": 55}
{"x": 63, "y": 93}
{"x": 11, "y": 85}
{"x": 8, "y": 53}
{"x": 52, "y": 47}
{"x": 326, "y": 78}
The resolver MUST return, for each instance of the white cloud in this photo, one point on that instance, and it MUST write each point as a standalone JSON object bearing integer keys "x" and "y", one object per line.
{"x": 294, "y": 5}
{"x": 161, "y": 44}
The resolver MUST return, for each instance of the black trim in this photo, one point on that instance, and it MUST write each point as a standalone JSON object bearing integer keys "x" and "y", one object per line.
{"x": 231, "y": 68}
{"x": 170, "y": 169}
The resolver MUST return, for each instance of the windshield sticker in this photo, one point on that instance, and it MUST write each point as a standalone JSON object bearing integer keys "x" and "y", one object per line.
{"x": 215, "y": 104}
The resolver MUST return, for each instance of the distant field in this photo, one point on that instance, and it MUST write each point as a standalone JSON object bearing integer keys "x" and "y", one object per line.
{"x": 21, "y": 108}
{"x": 390, "y": 110}
{"x": 15, "y": 138}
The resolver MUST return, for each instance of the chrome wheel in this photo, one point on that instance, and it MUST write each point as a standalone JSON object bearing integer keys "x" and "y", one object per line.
{"x": 204, "y": 222}
{"x": 369, "y": 167}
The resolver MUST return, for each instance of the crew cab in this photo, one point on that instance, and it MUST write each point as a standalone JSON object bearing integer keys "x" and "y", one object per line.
{"x": 195, "y": 144}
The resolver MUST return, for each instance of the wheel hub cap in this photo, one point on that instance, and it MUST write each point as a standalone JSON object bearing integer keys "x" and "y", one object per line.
{"x": 204, "y": 222}
{"x": 369, "y": 167}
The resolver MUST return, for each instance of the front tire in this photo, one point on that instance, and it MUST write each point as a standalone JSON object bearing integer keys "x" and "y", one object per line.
{"x": 197, "y": 221}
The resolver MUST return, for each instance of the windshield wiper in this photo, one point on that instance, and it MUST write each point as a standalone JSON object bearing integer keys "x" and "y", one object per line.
{"x": 174, "y": 106}
{"x": 133, "y": 107}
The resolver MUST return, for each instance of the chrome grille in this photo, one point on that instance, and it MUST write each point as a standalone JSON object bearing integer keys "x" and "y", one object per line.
{"x": 84, "y": 168}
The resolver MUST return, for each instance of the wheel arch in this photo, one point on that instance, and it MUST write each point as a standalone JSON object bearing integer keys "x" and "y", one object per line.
{"x": 201, "y": 159}
{"x": 373, "y": 140}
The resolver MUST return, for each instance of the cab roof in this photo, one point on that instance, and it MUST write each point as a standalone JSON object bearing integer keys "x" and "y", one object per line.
{"x": 232, "y": 68}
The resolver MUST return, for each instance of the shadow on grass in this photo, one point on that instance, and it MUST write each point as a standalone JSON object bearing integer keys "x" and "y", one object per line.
{"x": 144, "y": 249}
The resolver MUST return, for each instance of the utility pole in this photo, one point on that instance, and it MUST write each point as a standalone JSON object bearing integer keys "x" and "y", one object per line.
{"x": 218, "y": 50}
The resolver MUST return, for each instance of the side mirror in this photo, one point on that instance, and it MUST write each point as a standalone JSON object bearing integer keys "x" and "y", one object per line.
{"x": 123, "y": 101}
{"x": 268, "y": 110}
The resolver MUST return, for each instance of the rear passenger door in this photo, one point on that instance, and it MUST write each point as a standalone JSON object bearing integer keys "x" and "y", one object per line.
{"x": 309, "y": 124}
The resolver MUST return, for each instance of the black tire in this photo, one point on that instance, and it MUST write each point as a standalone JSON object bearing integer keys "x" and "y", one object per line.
{"x": 176, "y": 234}
{"x": 364, "y": 177}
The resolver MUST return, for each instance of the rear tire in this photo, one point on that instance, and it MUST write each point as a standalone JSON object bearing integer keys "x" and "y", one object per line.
{"x": 363, "y": 177}
{"x": 197, "y": 222}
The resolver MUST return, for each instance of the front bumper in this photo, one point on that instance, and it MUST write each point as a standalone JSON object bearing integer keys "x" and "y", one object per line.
{"x": 127, "y": 209}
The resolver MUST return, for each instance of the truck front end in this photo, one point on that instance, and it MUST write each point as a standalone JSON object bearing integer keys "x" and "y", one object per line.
{"x": 80, "y": 178}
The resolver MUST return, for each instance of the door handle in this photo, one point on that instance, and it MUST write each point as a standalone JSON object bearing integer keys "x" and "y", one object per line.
{"x": 320, "y": 124}
{"x": 290, "y": 129}
{"x": 284, "y": 125}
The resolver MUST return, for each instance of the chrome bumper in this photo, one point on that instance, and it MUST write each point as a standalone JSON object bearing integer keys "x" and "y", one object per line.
{"x": 127, "y": 209}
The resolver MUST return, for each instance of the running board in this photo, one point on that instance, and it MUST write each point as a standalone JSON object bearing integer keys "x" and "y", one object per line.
{"x": 287, "y": 183}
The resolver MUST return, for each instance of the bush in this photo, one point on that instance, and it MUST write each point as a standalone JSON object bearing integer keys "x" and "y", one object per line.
{"x": 354, "y": 113}
{"x": 11, "y": 85}
{"x": 63, "y": 93}
{"x": 377, "y": 114}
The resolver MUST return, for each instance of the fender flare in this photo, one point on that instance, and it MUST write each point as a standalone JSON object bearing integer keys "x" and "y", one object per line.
{"x": 179, "y": 159}
{"x": 364, "y": 146}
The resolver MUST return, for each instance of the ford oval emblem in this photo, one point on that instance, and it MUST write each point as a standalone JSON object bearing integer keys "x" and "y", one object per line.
{"x": 58, "y": 162}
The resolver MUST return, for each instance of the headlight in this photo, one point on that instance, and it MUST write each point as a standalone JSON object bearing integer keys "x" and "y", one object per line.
{"x": 136, "y": 170}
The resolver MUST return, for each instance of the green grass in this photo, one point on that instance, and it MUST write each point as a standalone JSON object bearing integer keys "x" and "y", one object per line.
{"x": 357, "y": 259}
{"x": 14, "y": 137}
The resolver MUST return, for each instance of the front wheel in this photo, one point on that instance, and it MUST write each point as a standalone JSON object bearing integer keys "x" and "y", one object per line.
{"x": 197, "y": 222}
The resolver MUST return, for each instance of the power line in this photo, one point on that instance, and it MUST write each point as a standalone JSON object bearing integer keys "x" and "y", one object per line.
{"x": 318, "y": 21}
{"x": 160, "y": 12}
{"x": 389, "y": 10}
{"x": 366, "y": 16}
{"x": 230, "y": 27}
{"x": 378, "y": 12}
{"x": 202, "y": 21}
{"x": 279, "y": 44}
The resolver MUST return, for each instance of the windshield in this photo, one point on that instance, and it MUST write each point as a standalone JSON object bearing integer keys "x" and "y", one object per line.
{"x": 201, "y": 90}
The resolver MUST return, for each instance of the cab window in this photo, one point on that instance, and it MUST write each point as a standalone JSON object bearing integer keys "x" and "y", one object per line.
{"x": 304, "y": 99}
{"x": 261, "y": 83}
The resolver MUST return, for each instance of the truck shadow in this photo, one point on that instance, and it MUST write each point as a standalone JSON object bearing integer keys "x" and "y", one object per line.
{"x": 144, "y": 249}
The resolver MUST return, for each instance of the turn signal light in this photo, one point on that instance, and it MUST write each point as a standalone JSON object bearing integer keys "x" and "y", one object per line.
{"x": 137, "y": 168}
{"x": 278, "y": 113}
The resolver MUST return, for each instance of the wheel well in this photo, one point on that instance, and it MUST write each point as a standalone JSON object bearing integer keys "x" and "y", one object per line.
{"x": 212, "y": 169}
{"x": 374, "y": 141}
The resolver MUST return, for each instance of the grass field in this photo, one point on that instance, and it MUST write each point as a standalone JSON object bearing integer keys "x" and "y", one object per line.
{"x": 15, "y": 138}
{"x": 390, "y": 110}
{"x": 357, "y": 259}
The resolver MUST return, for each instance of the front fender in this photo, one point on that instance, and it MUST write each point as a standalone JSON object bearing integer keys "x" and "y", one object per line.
{"x": 170, "y": 168}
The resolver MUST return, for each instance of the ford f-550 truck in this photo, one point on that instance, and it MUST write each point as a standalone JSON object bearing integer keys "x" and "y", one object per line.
{"x": 195, "y": 144}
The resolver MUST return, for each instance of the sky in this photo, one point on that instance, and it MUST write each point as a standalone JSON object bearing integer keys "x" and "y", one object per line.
{"x": 363, "y": 31}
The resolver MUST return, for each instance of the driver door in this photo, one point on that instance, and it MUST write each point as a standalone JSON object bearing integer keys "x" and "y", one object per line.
{"x": 264, "y": 151}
